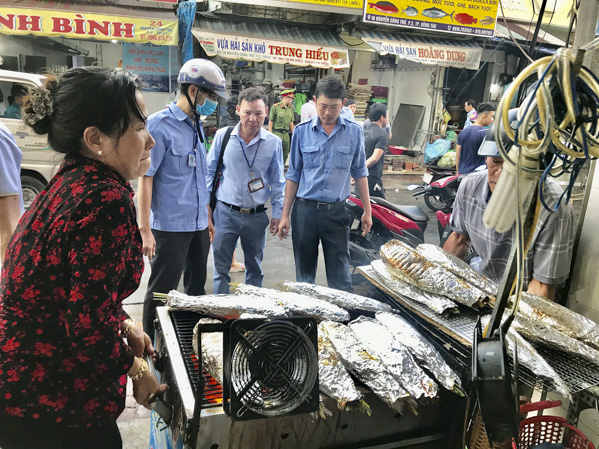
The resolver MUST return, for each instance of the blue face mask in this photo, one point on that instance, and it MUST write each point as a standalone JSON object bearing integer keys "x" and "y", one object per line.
{"x": 207, "y": 108}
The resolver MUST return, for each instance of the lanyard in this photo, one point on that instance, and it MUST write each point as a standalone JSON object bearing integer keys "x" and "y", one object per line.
{"x": 253, "y": 160}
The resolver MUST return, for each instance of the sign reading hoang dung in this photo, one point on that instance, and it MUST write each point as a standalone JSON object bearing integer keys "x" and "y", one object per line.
{"x": 473, "y": 17}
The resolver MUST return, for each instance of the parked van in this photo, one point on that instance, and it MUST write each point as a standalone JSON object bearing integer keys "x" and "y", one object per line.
{"x": 40, "y": 162}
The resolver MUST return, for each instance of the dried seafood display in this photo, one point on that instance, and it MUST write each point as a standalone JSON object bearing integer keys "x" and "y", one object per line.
{"x": 458, "y": 267}
{"x": 365, "y": 365}
{"x": 333, "y": 378}
{"x": 408, "y": 265}
{"x": 377, "y": 339}
{"x": 424, "y": 351}
{"x": 437, "y": 303}
{"x": 345, "y": 300}
{"x": 296, "y": 304}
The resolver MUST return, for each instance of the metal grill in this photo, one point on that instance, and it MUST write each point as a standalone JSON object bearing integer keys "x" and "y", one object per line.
{"x": 578, "y": 373}
{"x": 184, "y": 322}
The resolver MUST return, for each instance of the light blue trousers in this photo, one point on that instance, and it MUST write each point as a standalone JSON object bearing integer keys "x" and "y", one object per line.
{"x": 229, "y": 226}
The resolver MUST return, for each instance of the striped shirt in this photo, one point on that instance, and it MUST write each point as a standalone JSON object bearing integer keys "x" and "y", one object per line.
{"x": 548, "y": 260}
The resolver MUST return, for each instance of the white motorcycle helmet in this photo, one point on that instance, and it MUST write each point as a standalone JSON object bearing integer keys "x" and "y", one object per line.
{"x": 206, "y": 74}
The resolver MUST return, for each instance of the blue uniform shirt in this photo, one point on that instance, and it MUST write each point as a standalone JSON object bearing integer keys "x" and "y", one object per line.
{"x": 10, "y": 165}
{"x": 265, "y": 154}
{"x": 322, "y": 164}
{"x": 179, "y": 195}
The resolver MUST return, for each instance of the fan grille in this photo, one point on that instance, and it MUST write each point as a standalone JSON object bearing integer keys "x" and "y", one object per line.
{"x": 273, "y": 367}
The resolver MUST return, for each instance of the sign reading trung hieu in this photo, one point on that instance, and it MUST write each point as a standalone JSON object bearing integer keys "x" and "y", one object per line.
{"x": 278, "y": 52}
{"x": 473, "y": 17}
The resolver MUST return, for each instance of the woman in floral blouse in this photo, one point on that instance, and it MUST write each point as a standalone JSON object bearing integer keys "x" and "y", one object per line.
{"x": 74, "y": 257}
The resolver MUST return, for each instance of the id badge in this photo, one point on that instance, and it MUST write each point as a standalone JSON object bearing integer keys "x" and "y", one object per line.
{"x": 191, "y": 160}
{"x": 255, "y": 184}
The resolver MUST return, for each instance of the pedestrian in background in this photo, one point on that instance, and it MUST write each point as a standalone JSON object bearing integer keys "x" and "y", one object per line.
{"x": 18, "y": 95}
{"x": 74, "y": 257}
{"x": 325, "y": 152}
{"x": 376, "y": 140}
{"x": 469, "y": 107}
{"x": 280, "y": 120}
{"x": 252, "y": 172}
{"x": 467, "y": 158}
{"x": 11, "y": 196}
{"x": 174, "y": 212}
{"x": 308, "y": 110}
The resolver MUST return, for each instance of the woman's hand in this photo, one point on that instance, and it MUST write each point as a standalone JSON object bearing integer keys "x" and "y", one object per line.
{"x": 147, "y": 386}
{"x": 139, "y": 341}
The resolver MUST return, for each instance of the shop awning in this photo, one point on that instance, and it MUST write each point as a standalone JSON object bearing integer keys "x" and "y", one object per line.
{"x": 442, "y": 52}
{"x": 525, "y": 33}
{"x": 99, "y": 22}
{"x": 271, "y": 42}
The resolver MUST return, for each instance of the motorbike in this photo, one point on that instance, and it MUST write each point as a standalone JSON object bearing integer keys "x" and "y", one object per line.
{"x": 439, "y": 195}
{"x": 389, "y": 221}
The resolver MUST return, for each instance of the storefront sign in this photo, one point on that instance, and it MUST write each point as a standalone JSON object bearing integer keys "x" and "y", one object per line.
{"x": 355, "y": 4}
{"x": 467, "y": 57}
{"x": 42, "y": 22}
{"x": 151, "y": 63}
{"x": 278, "y": 52}
{"x": 474, "y": 17}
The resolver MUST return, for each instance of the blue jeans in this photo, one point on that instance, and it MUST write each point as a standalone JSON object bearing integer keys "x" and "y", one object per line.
{"x": 329, "y": 227}
{"x": 229, "y": 226}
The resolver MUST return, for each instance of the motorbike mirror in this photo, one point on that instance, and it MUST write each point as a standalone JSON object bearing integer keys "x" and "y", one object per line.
{"x": 413, "y": 187}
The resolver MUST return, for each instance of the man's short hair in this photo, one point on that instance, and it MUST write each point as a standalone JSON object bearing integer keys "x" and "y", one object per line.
{"x": 331, "y": 86}
{"x": 18, "y": 90}
{"x": 252, "y": 94}
{"x": 485, "y": 107}
{"x": 377, "y": 111}
{"x": 349, "y": 102}
{"x": 472, "y": 103}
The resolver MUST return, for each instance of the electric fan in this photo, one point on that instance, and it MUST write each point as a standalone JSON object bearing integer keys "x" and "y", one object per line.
{"x": 270, "y": 367}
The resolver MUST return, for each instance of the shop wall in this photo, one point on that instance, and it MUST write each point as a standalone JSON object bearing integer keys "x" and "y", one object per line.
{"x": 15, "y": 46}
{"x": 407, "y": 83}
{"x": 584, "y": 288}
{"x": 111, "y": 53}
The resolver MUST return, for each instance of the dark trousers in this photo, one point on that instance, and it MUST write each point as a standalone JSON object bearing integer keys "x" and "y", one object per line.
{"x": 176, "y": 253}
{"x": 329, "y": 227}
{"x": 29, "y": 433}
{"x": 375, "y": 187}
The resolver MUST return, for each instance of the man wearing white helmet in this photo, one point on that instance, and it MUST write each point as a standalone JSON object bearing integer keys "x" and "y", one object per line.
{"x": 174, "y": 213}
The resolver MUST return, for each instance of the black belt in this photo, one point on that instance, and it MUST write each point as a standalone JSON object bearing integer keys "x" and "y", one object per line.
{"x": 246, "y": 210}
{"x": 322, "y": 205}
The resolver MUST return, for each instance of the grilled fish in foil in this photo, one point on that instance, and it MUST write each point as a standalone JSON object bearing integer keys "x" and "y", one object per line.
{"x": 422, "y": 349}
{"x": 296, "y": 304}
{"x": 458, "y": 267}
{"x": 365, "y": 365}
{"x": 225, "y": 306}
{"x": 560, "y": 318}
{"x": 548, "y": 336}
{"x": 409, "y": 266}
{"x": 530, "y": 358}
{"x": 396, "y": 357}
{"x": 333, "y": 378}
{"x": 345, "y": 300}
{"x": 212, "y": 349}
{"x": 434, "y": 302}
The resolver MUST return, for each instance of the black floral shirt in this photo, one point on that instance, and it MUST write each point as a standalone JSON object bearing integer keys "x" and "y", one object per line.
{"x": 74, "y": 257}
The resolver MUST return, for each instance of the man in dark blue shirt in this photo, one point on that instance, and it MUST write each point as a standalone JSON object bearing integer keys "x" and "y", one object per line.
{"x": 469, "y": 140}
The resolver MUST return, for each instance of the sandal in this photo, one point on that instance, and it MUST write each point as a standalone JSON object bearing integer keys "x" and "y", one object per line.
{"x": 239, "y": 268}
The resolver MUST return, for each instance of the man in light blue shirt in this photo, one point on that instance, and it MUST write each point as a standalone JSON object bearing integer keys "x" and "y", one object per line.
{"x": 252, "y": 172}
{"x": 325, "y": 152}
{"x": 174, "y": 214}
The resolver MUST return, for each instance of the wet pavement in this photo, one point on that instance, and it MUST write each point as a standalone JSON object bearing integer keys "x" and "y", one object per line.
{"x": 278, "y": 266}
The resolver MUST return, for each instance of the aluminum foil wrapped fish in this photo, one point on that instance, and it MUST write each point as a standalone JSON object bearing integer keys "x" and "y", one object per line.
{"x": 530, "y": 358}
{"x": 560, "y": 318}
{"x": 345, "y": 300}
{"x": 548, "y": 336}
{"x": 458, "y": 267}
{"x": 396, "y": 357}
{"x": 333, "y": 378}
{"x": 434, "y": 302}
{"x": 409, "y": 266}
{"x": 212, "y": 349}
{"x": 225, "y": 306}
{"x": 424, "y": 351}
{"x": 296, "y": 304}
{"x": 365, "y": 365}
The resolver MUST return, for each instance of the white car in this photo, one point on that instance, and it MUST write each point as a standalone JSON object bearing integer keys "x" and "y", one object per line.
{"x": 40, "y": 162}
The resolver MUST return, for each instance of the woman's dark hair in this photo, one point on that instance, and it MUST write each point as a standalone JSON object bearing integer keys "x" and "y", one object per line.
{"x": 83, "y": 97}
{"x": 252, "y": 94}
{"x": 331, "y": 86}
{"x": 18, "y": 90}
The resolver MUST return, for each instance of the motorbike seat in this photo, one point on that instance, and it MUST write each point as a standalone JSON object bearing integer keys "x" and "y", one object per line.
{"x": 412, "y": 212}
